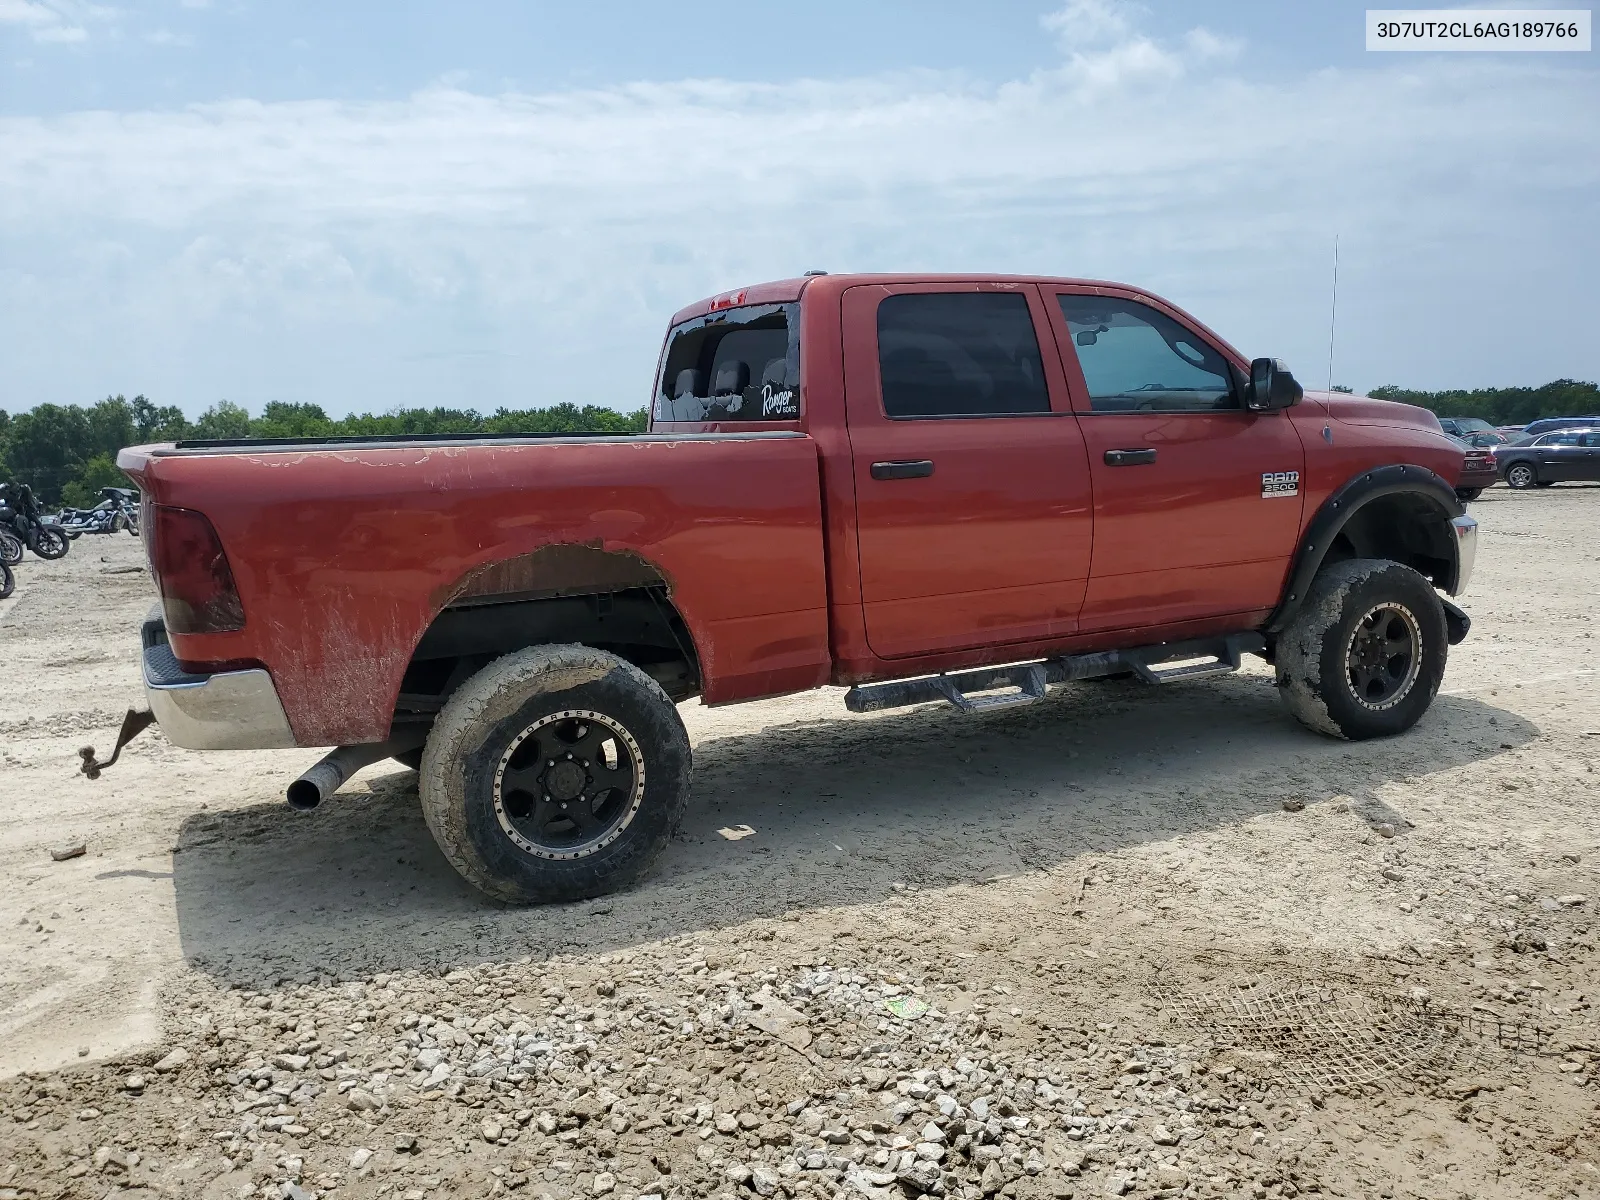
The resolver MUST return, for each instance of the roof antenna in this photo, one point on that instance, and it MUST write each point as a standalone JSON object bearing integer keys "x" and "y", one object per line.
{"x": 1333, "y": 312}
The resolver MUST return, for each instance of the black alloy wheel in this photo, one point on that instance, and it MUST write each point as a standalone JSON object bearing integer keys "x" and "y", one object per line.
{"x": 569, "y": 784}
{"x": 1384, "y": 655}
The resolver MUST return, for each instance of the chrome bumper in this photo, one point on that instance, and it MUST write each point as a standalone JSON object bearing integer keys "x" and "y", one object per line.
{"x": 228, "y": 710}
{"x": 1466, "y": 531}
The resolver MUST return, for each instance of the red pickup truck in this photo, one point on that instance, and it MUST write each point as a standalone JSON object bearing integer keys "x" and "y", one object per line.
{"x": 926, "y": 488}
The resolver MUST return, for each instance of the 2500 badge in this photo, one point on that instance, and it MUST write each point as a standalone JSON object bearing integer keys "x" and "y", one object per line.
{"x": 1279, "y": 483}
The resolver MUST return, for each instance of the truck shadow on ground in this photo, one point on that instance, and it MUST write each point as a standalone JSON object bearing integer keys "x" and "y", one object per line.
{"x": 841, "y": 809}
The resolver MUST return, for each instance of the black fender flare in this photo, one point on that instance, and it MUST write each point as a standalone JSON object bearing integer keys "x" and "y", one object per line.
{"x": 1348, "y": 499}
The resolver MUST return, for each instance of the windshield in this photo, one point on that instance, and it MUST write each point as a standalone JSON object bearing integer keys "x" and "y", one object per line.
{"x": 739, "y": 364}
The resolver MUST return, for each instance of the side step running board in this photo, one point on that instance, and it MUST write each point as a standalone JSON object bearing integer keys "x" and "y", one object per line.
{"x": 1029, "y": 682}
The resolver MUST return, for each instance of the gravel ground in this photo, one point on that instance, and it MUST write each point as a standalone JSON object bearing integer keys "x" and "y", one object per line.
{"x": 1127, "y": 942}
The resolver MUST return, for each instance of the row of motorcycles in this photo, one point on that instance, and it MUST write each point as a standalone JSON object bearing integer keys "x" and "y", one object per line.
{"x": 24, "y": 524}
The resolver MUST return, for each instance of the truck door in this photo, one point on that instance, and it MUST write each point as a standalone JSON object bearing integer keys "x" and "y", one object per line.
{"x": 1196, "y": 499}
{"x": 972, "y": 489}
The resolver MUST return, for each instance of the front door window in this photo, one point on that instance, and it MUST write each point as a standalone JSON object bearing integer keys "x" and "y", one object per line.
{"x": 1137, "y": 359}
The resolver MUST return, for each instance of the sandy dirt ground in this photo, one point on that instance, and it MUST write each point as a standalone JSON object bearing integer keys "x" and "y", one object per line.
{"x": 1128, "y": 941}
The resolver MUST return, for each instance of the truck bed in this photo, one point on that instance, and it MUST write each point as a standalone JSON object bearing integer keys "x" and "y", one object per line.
{"x": 346, "y": 550}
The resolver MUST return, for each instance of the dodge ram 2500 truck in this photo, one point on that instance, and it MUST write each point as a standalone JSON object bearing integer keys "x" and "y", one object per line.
{"x": 925, "y": 488}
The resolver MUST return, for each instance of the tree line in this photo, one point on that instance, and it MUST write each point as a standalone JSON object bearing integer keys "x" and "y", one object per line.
{"x": 68, "y": 452}
{"x": 1505, "y": 406}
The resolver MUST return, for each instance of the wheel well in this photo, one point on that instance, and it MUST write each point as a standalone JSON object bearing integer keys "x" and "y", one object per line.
{"x": 1404, "y": 527}
{"x": 560, "y": 594}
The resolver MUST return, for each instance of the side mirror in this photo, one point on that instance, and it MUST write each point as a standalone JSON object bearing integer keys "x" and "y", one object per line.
{"x": 1272, "y": 387}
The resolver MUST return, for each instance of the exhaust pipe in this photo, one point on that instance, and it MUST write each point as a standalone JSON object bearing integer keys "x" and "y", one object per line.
{"x": 328, "y": 775}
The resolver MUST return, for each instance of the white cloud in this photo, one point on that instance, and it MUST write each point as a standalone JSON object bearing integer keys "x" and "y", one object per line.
{"x": 463, "y": 248}
{"x": 61, "y": 34}
{"x": 24, "y": 12}
{"x": 58, "y": 21}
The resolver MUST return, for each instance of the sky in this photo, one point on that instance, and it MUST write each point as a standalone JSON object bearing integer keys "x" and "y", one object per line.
{"x": 490, "y": 203}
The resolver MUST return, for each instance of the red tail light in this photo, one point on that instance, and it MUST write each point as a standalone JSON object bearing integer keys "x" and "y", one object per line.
{"x": 192, "y": 573}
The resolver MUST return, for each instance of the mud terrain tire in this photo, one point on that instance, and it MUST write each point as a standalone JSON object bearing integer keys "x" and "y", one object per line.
{"x": 554, "y": 774}
{"x": 1364, "y": 655}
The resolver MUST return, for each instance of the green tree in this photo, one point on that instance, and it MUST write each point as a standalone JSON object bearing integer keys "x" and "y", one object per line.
{"x": 222, "y": 420}
{"x": 99, "y": 472}
{"x": 46, "y": 447}
{"x": 281, "y": 420}
{"x": 1505, "y": 406}
{"x": 157, "y": 423}
{"x": 110, "y": 426}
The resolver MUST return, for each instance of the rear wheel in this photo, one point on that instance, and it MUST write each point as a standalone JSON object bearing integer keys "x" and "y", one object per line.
{"x": 10, "y": 548}
{"x": 555, "y": 773}
{"x": 1521, "y": 475}
{"x": 1466, "y": 494}
{"x": 1365, "y": 654}
{"x": 8, "y": 581}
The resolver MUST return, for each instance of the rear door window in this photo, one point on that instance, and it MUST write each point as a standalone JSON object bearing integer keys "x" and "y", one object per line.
{"x": 959, "y": 354}
{"x": 739, "y": 364}
{"x": 1135, "y": 357}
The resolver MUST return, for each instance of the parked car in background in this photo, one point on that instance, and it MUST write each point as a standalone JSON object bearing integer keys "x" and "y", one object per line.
{"x": 1569, "y": 455}
{"x": 1551, "y": 424}
{"x": 1493, "y": 438}
{"x": 1461, "y": 426}
{"x": 1478, "y": 469}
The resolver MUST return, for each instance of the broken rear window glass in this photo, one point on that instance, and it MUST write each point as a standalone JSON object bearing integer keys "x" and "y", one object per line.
{"x": 739, "y": 364}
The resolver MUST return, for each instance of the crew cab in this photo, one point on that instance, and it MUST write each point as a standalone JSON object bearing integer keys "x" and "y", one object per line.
{"x": 923, "y": 488}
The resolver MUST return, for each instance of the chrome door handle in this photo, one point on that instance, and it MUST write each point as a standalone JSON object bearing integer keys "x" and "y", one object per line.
{"x": 1130, "y": 458}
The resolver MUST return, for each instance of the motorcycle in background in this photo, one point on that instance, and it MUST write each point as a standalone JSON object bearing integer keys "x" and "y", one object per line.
{"x": 10, "y": 548}
{"x": 118, "y": 509}
{"x": 20, "y": 513}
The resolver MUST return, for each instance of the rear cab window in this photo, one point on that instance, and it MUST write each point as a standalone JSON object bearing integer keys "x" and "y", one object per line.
{"x": 959, "y": 354}
{"x": 732, "y": 366}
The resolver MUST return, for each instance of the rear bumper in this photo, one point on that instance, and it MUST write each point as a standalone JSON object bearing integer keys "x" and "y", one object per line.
{"x": 225, "y": 710}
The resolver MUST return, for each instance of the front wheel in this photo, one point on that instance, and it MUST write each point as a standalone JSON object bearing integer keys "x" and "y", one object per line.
{"x": 1466, "y": 494}
{"x": 8, "y": 581}
{"x": 554, "y": 774}
{"x": 48, "y": 542}
{"x": 1363, "y": 657}
{"x": 10, "y": 548}
{"x": 1521, "y": 475}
